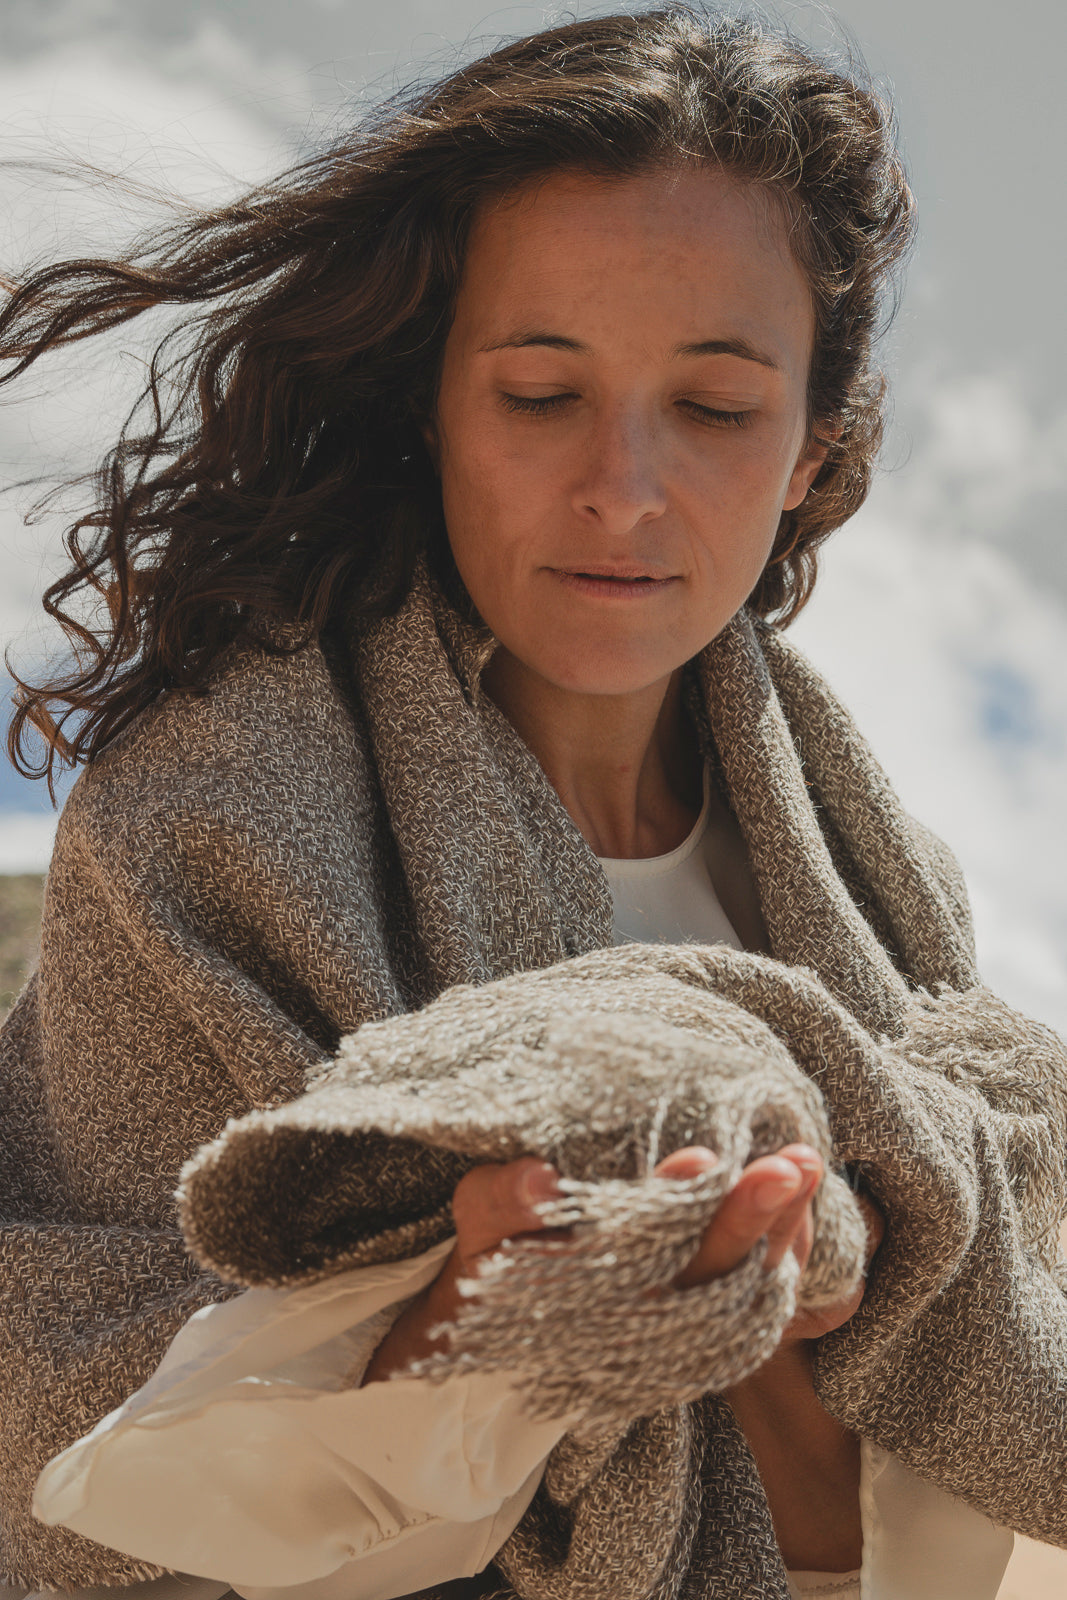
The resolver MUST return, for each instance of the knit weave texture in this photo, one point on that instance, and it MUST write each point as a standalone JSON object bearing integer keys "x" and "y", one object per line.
{"x": 599, "y": 1065}
{"x": 326, "y": 845}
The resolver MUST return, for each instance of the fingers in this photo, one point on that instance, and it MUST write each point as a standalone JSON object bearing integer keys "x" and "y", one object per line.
{"x": 799, "y": 1240}
{"x": 772, "y": 1197}
{"x": 814, "y": 1323}
{"x": 875, "y": 1223}
{"x": 496, "y": 1202}
{"x": 687, "y": 1163}
{"x": 794, "y": 1228}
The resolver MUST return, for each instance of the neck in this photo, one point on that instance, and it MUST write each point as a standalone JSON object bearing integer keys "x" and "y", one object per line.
{"x": 625, "y": 766}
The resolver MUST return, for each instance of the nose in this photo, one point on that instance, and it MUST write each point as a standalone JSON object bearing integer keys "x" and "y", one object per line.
{"x": 620, "y": 480}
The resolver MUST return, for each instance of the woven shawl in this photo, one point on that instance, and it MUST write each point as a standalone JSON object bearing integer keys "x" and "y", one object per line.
{"x": 328, "y": 844}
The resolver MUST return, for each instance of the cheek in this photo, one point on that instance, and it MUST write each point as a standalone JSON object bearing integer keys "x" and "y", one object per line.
{"x": 738, "y": 481}
{"x": 477, "y": 469}
{"x": 734, "y": 516}
{"x": 464, "y": 487}
{"x": 761, "y": 477}
{"x": 479, "y": 500}
{"x": 492, "y": 496}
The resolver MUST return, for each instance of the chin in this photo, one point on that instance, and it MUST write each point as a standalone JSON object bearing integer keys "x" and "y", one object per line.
{"x": 613, "y": 673}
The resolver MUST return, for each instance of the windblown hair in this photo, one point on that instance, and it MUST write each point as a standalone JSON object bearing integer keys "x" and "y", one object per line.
{"x": 275, "y": 463}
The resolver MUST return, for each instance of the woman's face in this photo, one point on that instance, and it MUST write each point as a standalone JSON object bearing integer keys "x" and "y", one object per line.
{"x": 621, "y": 419}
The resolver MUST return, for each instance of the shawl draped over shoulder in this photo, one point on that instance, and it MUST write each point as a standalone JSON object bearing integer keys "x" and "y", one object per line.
{"x": 334, "y": 909}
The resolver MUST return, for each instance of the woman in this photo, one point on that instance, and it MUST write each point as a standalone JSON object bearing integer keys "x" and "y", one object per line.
{"x": 431, "y": 592}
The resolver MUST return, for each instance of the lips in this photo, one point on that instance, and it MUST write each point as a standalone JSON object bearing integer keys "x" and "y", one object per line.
{"x": 616, "y": 574}
{"x": 612, "y": 582}
{"x": 616, "y": 577}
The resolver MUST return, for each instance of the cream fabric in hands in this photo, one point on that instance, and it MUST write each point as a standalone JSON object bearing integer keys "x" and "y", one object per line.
{"x": 460, "y": 1447}
{"x": 251, "y": 1456}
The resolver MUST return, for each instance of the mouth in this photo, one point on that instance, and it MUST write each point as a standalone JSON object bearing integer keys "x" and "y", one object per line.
{"x": 616, "y": 574}
{"x": 606, "y": 580}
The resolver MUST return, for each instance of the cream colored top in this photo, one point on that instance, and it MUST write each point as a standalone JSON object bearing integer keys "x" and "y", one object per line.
{"x": 670, "y": 899}
{"x": 251, "y": 1457}
{"x": 251, "y": 1460}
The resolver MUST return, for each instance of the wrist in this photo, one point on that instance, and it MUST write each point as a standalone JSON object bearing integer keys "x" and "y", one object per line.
{"x": 409, "y": 1339}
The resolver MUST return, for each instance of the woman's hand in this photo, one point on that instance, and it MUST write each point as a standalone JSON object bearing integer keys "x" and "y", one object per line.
{"x": 497, "y": 1201}
{"x": 790, "y": 1228}
{"x": 772, "y": 1196}
{"x": 806, "y": 1325}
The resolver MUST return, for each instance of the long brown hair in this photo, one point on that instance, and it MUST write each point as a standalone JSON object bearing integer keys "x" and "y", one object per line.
{"x": 275, "y": 465}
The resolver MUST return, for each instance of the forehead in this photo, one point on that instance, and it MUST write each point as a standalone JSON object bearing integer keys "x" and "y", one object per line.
{"x": 678, "y": 256}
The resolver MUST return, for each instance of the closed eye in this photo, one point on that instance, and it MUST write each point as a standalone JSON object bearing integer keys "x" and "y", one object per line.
{"x": 545, "y": 405}
{"x": 535, "y": 405}
{"x": 731, "y": 419}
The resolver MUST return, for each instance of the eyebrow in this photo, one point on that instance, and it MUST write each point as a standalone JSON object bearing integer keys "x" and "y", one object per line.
{"x": 702, "y": 347}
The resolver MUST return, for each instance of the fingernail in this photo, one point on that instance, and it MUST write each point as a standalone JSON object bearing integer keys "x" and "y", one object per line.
{"x": 539, "y": 1183}
{"x": 774, "y": 1192}
{"x": 689, "y": 1163}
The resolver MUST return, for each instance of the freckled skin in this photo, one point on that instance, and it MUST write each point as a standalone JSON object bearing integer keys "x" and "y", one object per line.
{"x": 626, "y": 468}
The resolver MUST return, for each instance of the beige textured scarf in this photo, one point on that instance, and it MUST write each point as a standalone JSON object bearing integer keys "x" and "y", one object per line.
{"x": 328, "y": 842}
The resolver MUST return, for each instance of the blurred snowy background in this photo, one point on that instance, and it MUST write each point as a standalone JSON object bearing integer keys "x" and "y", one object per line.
{"x": 942, "y": 611}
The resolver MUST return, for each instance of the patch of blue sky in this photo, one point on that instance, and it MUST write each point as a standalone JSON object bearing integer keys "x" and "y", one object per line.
{"x": 1008, "y": 707}
{"x": 19, "y": 795}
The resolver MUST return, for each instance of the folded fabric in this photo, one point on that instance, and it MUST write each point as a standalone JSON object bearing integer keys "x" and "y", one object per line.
{"x": 600, "y": 1066}
{"x": 604, "y": 1064}
{"x": 179, "y": 1469}
{"x": 253, "y": 1455}
{"x": 339, "y": 835}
